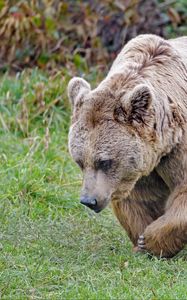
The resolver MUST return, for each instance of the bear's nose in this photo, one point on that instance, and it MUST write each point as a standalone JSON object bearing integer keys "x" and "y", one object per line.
{"x": 91, "y": 202}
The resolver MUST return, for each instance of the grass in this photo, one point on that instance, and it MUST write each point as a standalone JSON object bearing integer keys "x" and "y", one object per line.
{"x": 50, "y": 246}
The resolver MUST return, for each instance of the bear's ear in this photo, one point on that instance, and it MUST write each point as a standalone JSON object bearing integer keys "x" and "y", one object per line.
{"x": 138, "y": 104}
{"x": 135, "y": 106}
{"x": 76, "y": 88}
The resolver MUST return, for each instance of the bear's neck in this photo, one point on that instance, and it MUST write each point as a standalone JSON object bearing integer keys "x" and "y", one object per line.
{"x": 171, "y": 125}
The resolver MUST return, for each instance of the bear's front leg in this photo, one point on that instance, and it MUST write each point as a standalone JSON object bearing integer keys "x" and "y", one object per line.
{"x": 135, "y": 216}
{"x": 166, "y": 236}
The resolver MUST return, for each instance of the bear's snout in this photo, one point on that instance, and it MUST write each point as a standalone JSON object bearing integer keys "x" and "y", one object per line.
{"x": 90, "y": 202}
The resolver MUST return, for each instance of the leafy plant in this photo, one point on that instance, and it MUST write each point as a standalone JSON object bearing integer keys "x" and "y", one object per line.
{"x": 79, "y": 34}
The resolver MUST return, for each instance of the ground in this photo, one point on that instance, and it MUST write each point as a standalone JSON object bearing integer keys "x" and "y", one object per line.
{"x": 51, "y": 247}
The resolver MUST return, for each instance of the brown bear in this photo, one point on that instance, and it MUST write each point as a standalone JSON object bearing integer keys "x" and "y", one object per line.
{"x": 129, "y": 137}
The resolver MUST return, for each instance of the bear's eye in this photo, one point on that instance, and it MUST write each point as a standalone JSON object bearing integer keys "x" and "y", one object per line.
{"x": 103, "y": 165}
{"x": 80, "y": 164}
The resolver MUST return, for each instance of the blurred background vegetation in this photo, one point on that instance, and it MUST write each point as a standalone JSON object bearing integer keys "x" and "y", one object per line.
{"x": 46, "y": 42}
{"x": 50, "y": 246}
{"x": 77, "y": 35}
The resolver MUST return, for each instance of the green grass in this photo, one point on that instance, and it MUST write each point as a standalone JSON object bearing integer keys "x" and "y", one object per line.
{"x": 50, "y": 246}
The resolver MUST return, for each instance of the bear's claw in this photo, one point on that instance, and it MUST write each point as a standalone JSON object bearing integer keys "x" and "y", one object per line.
{"x": 141, "y": 242}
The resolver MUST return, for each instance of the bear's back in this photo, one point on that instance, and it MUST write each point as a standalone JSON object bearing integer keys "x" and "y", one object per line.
{"x": 180, "y": 44}
{"x": 147, "y": 50}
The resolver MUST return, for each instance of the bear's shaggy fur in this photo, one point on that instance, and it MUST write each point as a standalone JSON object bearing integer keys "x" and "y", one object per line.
{"x": 129, "y": 136}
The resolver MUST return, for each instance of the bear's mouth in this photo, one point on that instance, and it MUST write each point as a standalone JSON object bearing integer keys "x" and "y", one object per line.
{"x": 102, "y": 205}
{"x": 98, "y": 210}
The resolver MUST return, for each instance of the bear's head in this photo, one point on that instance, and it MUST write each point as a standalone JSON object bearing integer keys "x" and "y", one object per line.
{"x": 112, "y": 138}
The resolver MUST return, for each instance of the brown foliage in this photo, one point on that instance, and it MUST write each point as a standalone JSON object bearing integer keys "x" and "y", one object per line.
{"x": 81, "y": 33}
